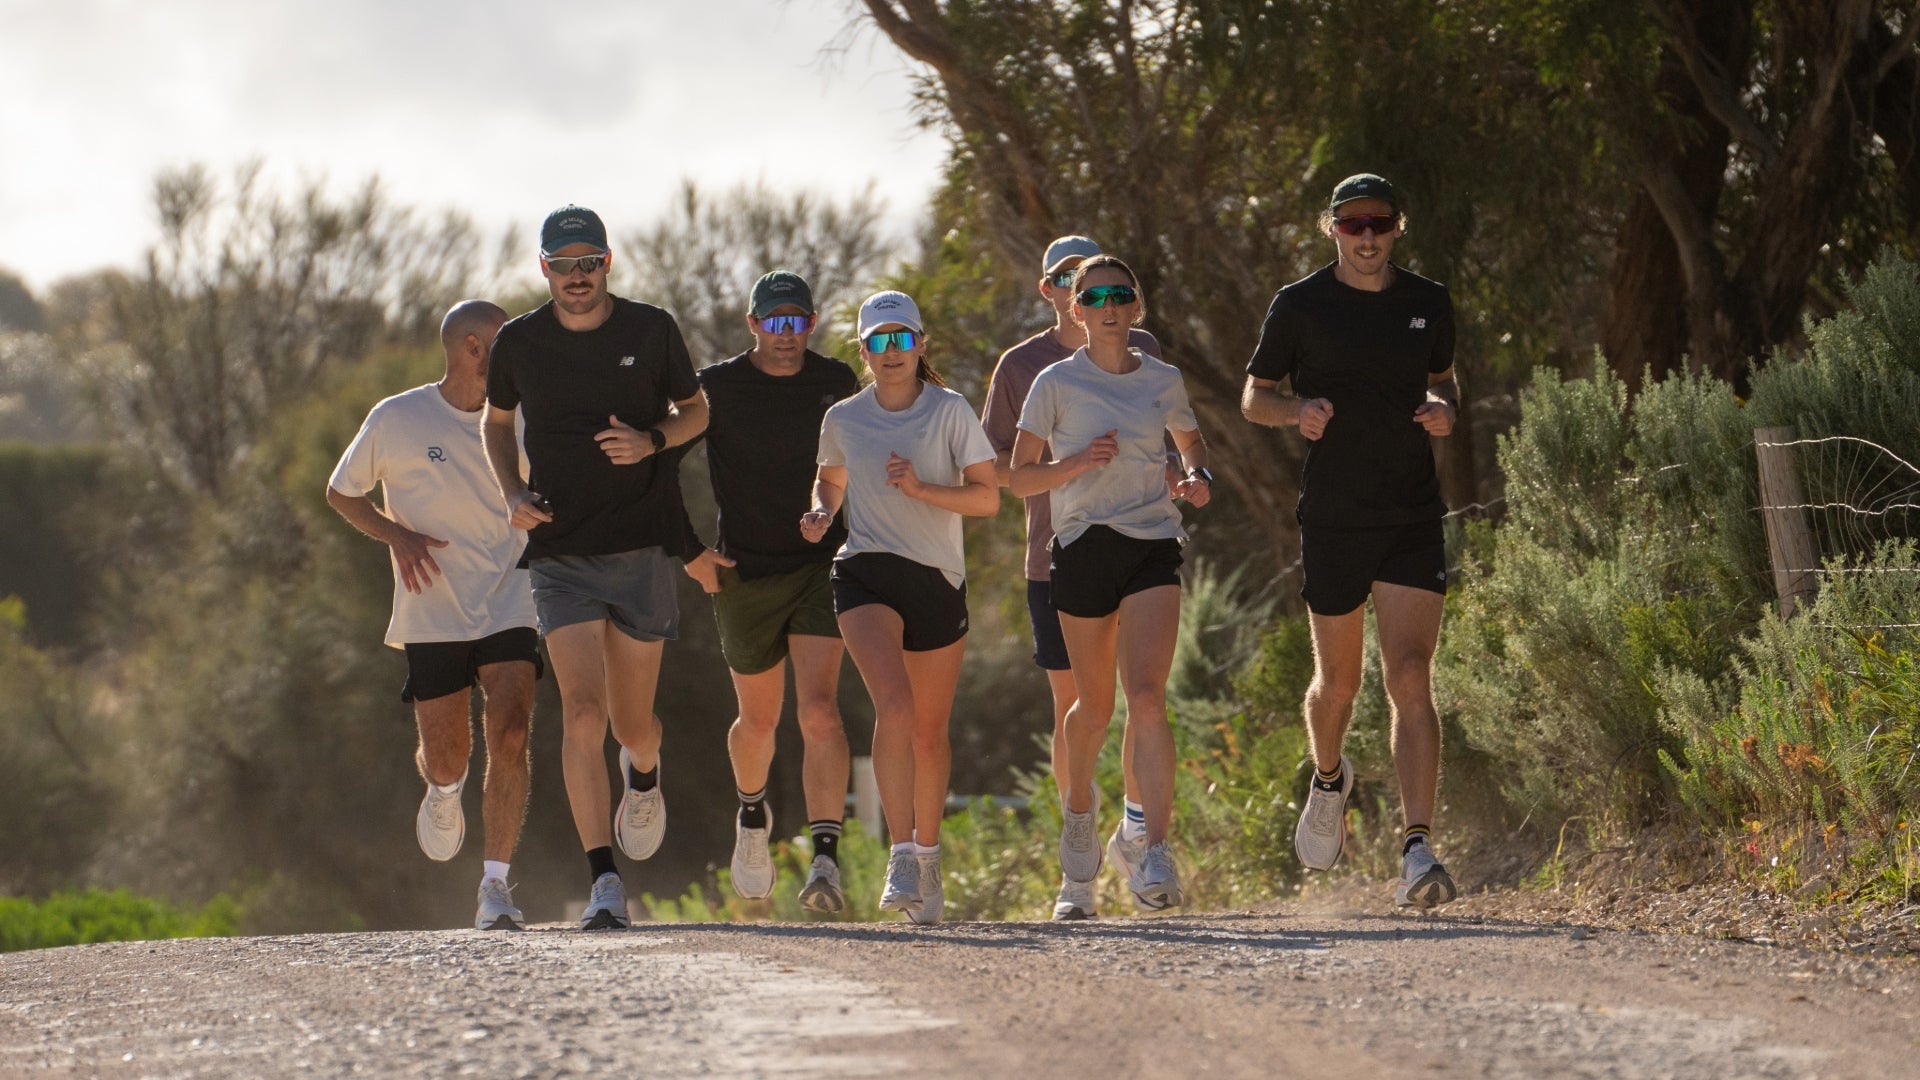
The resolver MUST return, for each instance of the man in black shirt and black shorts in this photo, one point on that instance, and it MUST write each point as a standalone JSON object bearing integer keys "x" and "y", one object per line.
{"x": 603, "y": 384}
{"x": 1367, "y": 348}
{"x": 771, "y": 592}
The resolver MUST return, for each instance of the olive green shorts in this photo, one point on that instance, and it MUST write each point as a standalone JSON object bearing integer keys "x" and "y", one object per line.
{"x": 757, "y": 614}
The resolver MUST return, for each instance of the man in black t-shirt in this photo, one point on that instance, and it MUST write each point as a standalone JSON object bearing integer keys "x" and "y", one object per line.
{"x": 1367, "y": 348}
{"x": 603, "y": 385}
{"x": 770, "y": 587}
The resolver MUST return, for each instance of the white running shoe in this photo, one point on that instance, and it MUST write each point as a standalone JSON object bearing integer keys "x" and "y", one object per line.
{"x": 752, "y": 862}
{"x": 1157, "y": 886}
{"x": 1129, "y": 855}
{"x": 640, "y": 822}
{"x": 1321, "y": 835}
{"x": 1075, "y": 901}
{"x": 903, "y": 882}
{"x": 441, "y": 824}
{"x": 1079, "y": 840}
{"x": 607, "y": 906}
{"x": 1424, "y": 883}
{"x": 496, "y": 907}
{"x": 822, "y": 891}
{"x": 933, "y": 891}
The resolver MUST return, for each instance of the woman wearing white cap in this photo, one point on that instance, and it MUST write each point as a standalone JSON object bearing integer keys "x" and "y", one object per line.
{"x": 1106, "y": 412}
{"x": 905, "y": 458}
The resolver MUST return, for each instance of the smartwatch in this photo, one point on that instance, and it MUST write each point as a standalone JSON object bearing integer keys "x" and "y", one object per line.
{"x": 1201, "y": 474}
{"x": 659, "y": 439}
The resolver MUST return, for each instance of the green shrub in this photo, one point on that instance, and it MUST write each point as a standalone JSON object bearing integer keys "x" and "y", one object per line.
{"x": 81, "y": 918}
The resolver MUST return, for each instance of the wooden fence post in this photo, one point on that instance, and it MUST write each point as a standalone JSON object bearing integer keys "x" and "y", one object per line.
{"x": 1790, "y": 546}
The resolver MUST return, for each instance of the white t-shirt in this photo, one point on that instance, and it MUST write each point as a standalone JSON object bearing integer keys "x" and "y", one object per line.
{"x": 941, "y": 436}
{"x": 430, "y": 457}
{"x": 1075, "y": 402}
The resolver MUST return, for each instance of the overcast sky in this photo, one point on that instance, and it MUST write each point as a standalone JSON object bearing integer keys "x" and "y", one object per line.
{"x": 501, "y": 108}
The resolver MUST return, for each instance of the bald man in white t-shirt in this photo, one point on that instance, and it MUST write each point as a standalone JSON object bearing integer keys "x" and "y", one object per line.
{"x": 462, "y": 605}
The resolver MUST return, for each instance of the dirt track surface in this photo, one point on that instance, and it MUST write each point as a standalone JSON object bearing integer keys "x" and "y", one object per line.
{"x": 1341, "y": 993}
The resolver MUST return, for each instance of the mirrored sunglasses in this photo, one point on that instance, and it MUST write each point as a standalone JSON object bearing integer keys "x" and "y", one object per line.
{"x": 1380, "y": 224}
{"x": 567, "y": 264}
{"x": 892, "y": 339}
{"x": 1103, "y": 295}
{"x": 786, "y": 324}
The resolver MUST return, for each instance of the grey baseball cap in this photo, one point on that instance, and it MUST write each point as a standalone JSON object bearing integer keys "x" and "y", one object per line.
{"x": 777, "y": 288}
{"x": 572, "y": 225}
{"x": 1067, "y": 247}
{"x": 1364, "y": 186}
{"x": 891, "y": 306}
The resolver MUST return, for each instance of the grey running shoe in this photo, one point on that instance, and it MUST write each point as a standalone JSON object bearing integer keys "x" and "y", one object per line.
{"x": 1075, "y": 901}
{"x": 1321, "y": 835}
{"x": 933, "y": 892}
{"x": 1129, "y": 855}
{"x": 607, "y": 906}
{"x": 496, "y": 907}
{"x": 1424, "y": 883}
{"x": 752, "y": 862}
{"x": 640, "y": 821}
{"x": 1079, "y": 842}
{"x": 822, "y": 891}
{"x": 903, "y": 882}
{"x": 441, "y": 824}
{"x": 1157, "y": 886}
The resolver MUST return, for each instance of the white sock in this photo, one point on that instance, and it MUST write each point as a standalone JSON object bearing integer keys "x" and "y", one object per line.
{"x": 494, "y": 870}
{"x": 1133, "y": 825}
{"x": 906, "y": 846}
{"x": 448, "y": 789}
{"x": 922, "y": 850}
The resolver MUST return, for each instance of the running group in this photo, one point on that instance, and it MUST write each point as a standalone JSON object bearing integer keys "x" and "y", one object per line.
{"x": 533, "y": 493}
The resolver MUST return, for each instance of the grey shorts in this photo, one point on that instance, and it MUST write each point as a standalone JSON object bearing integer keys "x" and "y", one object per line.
{"x": 633, "y": 589}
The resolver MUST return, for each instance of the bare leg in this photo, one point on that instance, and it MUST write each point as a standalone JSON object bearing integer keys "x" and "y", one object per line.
{"x": 1090, "y": 645}
{"x": 508, "y": 688}
{"x": 580, "y": 667}
{"x": 446, "y": 737}
{"x": 1339, "y": 656}
{"x": 816, "y": 689}
{"x": 1149, "y": 627}
{"x": 750, "y": 739}
{"x": 872, "y": 633}
{"x": 1409, "y": 626}
{"x": 633, "y": 674}
{"x": 935, "y": 675}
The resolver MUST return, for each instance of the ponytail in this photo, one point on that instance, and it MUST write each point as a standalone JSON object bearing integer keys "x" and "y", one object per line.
{"x": 928, "y": 375}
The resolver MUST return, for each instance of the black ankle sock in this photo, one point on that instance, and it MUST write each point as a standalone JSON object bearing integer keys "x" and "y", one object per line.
{"x": 1328, "y": 783}
{"x": 643, "y": 781}
{"x": 1416, "y": 834}
{"x": 753, "y": 809}
{"x": 599, "y": 861}
{"x": 826, "y": 838}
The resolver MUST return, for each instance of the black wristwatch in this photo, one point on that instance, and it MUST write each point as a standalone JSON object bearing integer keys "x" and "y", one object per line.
{"x": 1201, "y": 474}
{"x": 659, "y": 439}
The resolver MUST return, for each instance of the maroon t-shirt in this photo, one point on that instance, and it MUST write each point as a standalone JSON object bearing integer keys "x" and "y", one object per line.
{"x": 1012, "y": 378}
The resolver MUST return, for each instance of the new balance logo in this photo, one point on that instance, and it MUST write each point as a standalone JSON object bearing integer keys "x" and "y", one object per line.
{"x": 626, "y": 361}
{"x": 1417, "y": 324}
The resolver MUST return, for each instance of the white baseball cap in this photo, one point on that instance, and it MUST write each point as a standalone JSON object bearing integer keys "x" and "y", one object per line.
{"x": 1067, "y": 247}
{"x": 892, "y": 306}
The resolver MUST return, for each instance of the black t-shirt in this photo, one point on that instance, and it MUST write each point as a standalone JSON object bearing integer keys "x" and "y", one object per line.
{"x": 568, "y": 383}
{"x": 1370, "y": 354}
{"x": 763, "y": 436}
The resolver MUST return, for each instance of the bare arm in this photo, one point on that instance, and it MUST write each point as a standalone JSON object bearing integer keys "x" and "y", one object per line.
{"x": 977, "y": 495}
{"x": 1196, "y": 489}
{"x": 503, "y": 457}
{"x": 1263, "y": 403}
{"x": 1003, "y": 467}
{"x": 412, "y": 551}
{"x": 829, "y": 490}
{"x": 1031, "y": 476}
{"x": 1437, "y": 413}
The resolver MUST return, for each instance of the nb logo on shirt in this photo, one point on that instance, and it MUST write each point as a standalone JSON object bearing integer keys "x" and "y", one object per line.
{"x": 1417, "y": 324}
{"x": 434, "y": 453}
{"x": 828, "y": 399}
{"x": 626, "y": 361}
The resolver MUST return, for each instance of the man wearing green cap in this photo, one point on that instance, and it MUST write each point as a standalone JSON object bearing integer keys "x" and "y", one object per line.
{"x": 603, "y": 384}
{"x": 771, "y": 592}
{"x": 1366, "y": 347}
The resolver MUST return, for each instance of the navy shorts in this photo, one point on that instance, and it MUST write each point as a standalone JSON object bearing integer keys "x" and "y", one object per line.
{"x": 438, "y": 668}
{"x": 1049, "y": 647}
{"x": 1339, "y": 566}
{"x": 932, "y": 612}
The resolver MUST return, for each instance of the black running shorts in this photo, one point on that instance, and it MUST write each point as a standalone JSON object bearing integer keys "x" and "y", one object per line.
{"x": 438, "y": 668}
{"x": 1339, "y": 566}
{"x": 933, "y": 612}
{"x": 1104, "y": 566}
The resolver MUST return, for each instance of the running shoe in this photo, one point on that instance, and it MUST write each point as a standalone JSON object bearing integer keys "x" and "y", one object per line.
{"x": 822, "y": 891}
{"x": 1321, "y": 835}
{"x": 752, "y": 862}
{"x": 1075, "y": 901}
{"x": 1079, "y": 842}
{"x": 933, "y": 892}
{"x": 607, "y": 907}
{"x": 1129, "y": 855}
{"x": 496, "y": 907}
{"x": 903, "y": 882}
{"x": 641, "y": 821}
{"x": 441, "y": 824}
{"x": 1424, "y": 883}
{"x": 1157, "y": 887}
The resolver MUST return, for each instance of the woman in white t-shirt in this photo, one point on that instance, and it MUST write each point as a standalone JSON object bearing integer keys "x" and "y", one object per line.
{"x": 906, "y": 458}
{"x": 1106, "y": 411}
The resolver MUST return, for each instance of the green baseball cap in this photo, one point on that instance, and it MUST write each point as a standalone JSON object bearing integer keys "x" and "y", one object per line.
{"x": 1364, "y": 186}
{"x": 778, "y": 288}
{"x": 572, "y": 225}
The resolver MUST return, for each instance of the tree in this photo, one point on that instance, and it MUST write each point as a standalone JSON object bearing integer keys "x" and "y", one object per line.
{"x": 18, "y": 309}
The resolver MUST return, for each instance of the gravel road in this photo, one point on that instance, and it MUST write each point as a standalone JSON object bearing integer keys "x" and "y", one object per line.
{"x": 1358, "y": 992}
